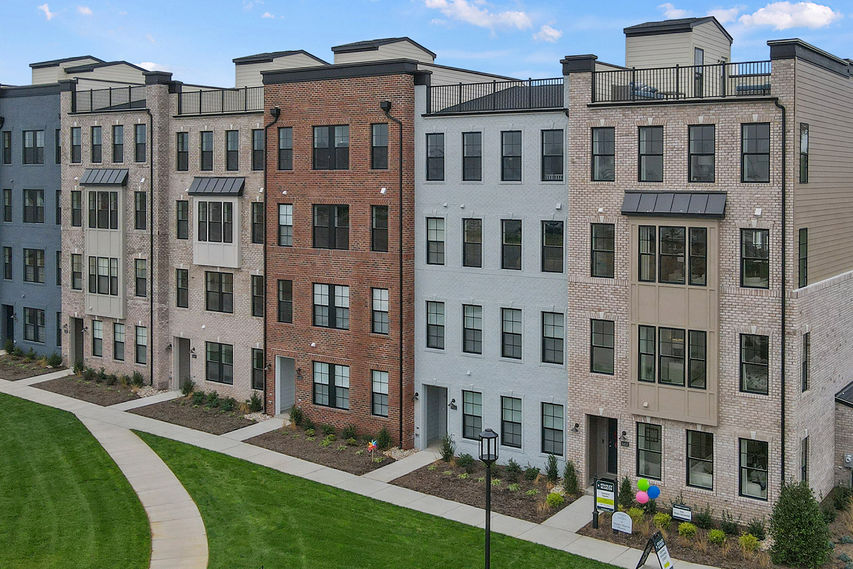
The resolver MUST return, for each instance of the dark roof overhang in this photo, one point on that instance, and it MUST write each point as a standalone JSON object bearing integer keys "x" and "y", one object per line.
{"x": 104, "y": 177}
{"x": 674, "y": 204}
{"x": 217, "y": 186}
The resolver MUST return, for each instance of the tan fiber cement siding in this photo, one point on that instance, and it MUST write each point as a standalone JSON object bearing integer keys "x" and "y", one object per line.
{"x": 717, "y": 47}
{"x": 249, "y": 75}
{"x": 396, "y": 50}
{"x": 664, "y": 50}
{"x": 56, "y": 72}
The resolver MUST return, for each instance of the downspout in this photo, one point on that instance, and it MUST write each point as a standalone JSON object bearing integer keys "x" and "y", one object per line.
{"x": 784, "y": 276}
{"x": 150, "y": 157}
{"x": 276, "y": 113}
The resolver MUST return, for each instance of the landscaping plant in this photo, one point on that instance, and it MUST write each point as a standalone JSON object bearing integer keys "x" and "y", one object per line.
{"x": 296, "y": 416}
{"x": 530, "y": 473}
{"x": 570, "y": 479}
{"x": 756, "y": 528}
{"x": 9, "y": 346}
{"x": 228, "y": 404}
{"x": 465, "y": 461}
{"x": 626, "y": 494}
{"x": 256, "y": 404}
{"x": 800, "y": 533}
{"x": 687, "y": 530}
{"x": 307, "y": 423}
{"x": 512, "y": 471}
{"x": 748, "y": 542}
{"x": 703, "y": 518}
{"x": 554, "y": 500}
{"x": 54, "y": 360}
{"x": 552, "y": 472}
{"x": 349, "y": 432}
{"x": 717, "y": 536}
{"x": 636, "y": 514}
{"x": 383, "y": 440}
{"x": 448, "y": 447}
{"x": 728, "y": 524}
{"x": 327, "y": 429}
{"x": 198, "y": 398}
{"x": 137, "y": 379}
{"x": 187, "y": 387}
{"x": 212, "y": 400}
{"x": 662, "y": 520}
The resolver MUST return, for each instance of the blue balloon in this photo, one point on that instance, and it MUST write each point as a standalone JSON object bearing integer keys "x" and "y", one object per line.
{"x": 653, "y": 492}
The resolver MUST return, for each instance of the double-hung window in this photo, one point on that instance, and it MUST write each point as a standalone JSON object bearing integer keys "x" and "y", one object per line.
{"x": 552, "y": 246}
{"x": 258, "y": 369}
{"x": 650, "y": 163}
{"x": 97, "y": 146}
{"x": 33, "y": 206}
{"x": 76, "y": 144}
{"x": 103, "y": 210}
{"x": 206, "y": 153}
{"x": 232, "y": 150}
{"x": 511, "y": 244}
{"x": 646, "y": 364}
{"x": 141, "y": 271}
{"x": 331, "y": 147}
{"x": 76, "y": 208}
{"x": 435, "y": 241}
{"x": 331, "y": 226}
{"x": 97, "y": 338}
{"x": 285, "y": 301}
{"x": 511, "y": 422}
{"x": 511, "y": 333}
{"x": 671, "y": 359}
{"x": 257, "y": 222}
{"x": 118, "y": 341}
{"x": 472, "y": 156}
{"x": 118, "y": 143}
{"x": 379, "y": 146}
{"x": 552, "y": 155}
{"x": 672, "y": 255}
{"x": 805, "y": 361}
{"x": 34, "y": 147}
{"x": 7, "y": 147}
{"x": 802, "y": 257}
{"x": 700, "y": 459}
{"x": 331, "y": 306}
{"x": 182, "y": 146}
{"x": 804, "y": 153}
{"x": 7, "y": 205}
{"x": 219, "y": 363}
{"x": 553, "y": 337}
{"x": 552, "y": 429}
{"x": 379, "y": 393}
{"x": 754, "y": 363}
{"x": 603, "y": 250}
{"x": 435, "y": 325}
{"x": 258, "y": 295}
{"x": 472, "y": 329}
{"x": 379, "y": 228}
{"x": 753, "y": 468}
{"x": 140, "y": 144}
{"x": 257, "y": 149}
{"x": 755, "y": 258}
{"x": 435, "y": 156}
{"x": 649, "y": 450}
{"x": 472, "y": 414}
{"x": 755, "y": 152}
{"x": 602, "y": 343}
{"x": 472, "y": 242}
{"x": 182, "y": 219}
{"x": 511, "y": 156}
{"x": 140, "y": 212}
{"x": 7, "y": 263}
{"x": 34, "y": 325}
{"x": 285, "y": 148}
{"x": 219, "y": 292}
{"x": 379, "y": 310}
{"x": 701, "y": 153}
{"x": 603, "y": 154}
{"x": 76, "y": 271}
{"x": 141, "y": 345}
{"x": 103, "y": 275}
{"x": 697, "y": 367}
{"x": 285, "y": 224}
{"x": 34, "y": 265}
{"x": 216, "y": 222}
{"x": 182, "y": 286}
{"x": 331, "y": 385}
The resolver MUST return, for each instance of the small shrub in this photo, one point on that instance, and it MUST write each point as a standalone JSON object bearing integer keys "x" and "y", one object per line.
{"x": 213, "y": 400}
{"x": 78, "y": 368}
{"x": 514, "y": 487}
{"x": 18, "y": 352}
{"x": 496, "y": 481}
{"x": 756, "y": 528}
{"x": 841, "y": 497}
{"x": 101, "y": 377}
{"x": 111, "y": 379}
{"x": 349, "y": 432}
{"x": 465, "y": 461}
{"x": 844, "y": 558}
{"x": 554, "y": 500}
{"x": 359, "y": 452}
{"x": 846, "y": 539}
{"x": 800, "y": 534}
{"x": 703, "y": 518}
{"x": 124, "y": 380}
{"x": 636, "y": 514}
{"x": 687, "y": 530}
{"x": 327, "y": 429}
{"x": 829, "y": 513}
{"x": 54, "y": 360}
{"x": 256, "y": 403}
{"x": 325, "y": 443}
{"x": 532, "y": 492}
{"x": 89, "y": 374}
{"x": 570, "y": 479}
{"x": 448, "y": 447}
{"x": 187, "y": 387}
{"x": 351, "y": 442}
{"x": 341, "y": 448}
{"x": 717, "y": 536}
{"x": 748, "y": 542}
{"x": 9, "y": 346}
{"x": 447, "y": 472}
{"x": 296, "y": 416}
{"x": 383, "y": 440}
{"x": 228, "y": 404}
{"x": 432, "y": 467}
{"x": 728, "y": 524}
{"x": 137, "y": 379}
{"x": 309, "y": 432}
{"x": 552, "y": 471}
{"x": 31, "y": 355}
{"x": 199, "y": 398}
{"x": 307, "y": 423}
{"x": 651, "y": 507}
{"x": 464, "y": 476}
{"x": 512, "y": 471}
{"x": 626, "y": 494}
{"x": 530, "y": 473}
{"x": 662, "y": 520}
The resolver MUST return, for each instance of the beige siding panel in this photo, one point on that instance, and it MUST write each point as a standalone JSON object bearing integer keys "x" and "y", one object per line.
{"x": 708, "y": 37}
{"x": 249, "y": 75}
{"x": 120, "y": 72}
{"x": 444, "y": 76}
{"x": 664, "y": 50}
{"x": 396, "y": 50}
{"x": 55, "y": 73}
{"x": 84, "y": 84}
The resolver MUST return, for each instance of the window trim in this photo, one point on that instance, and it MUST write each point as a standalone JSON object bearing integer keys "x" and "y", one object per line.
{"x": 375, "y": 162}
{"x": 222, "y": 295}
{"x": 437, "y": 159}
{"x": 376, "y": 318}
{"x": 552, "y": 248}
{"x": 435, "y": 254}
{"x": 332, "y": 308}
{"x": 436, "y": 326}
{"x": 205, "y": 156}
{"x": 505, "y": 422}
{"x": 640, "y": 154}
{"x": 505, "y": 247}
{"x": 477, "y": 246}
{"x": 562, "y": 155}
{"x": 332, "y": 385}
{"x": 594, "y": 155}
{"x": 508, "y": 339}
{"x": 691, "y": 154}
{"x": 562, "y": 340}
{"x": 474, "y": 417}
{"x": 332, "y": 147}
{"x": 594, "y": 253}
{"x": 284, "y": 306}
{"x": 647, "y": 451}
{"x": 507, "y": 159}
{"x": 466, "y": 331}
{"x": 285, "y": 153}
{"x": 220, "y": 365}
{"x": 689, "y": 458}
{"x": 744, "y": 260}
{"x": 258, "y": 286}
{"x": 744, "y": 154}
{"x": 376, "y": 232}
{"x": 179, "y": 301}
{"x": 593, "y": 346}
{"x": 742, "y": 363}
{"x": 476, "y": 158}
{"x": 543, "y": 428}
{"x": 117, "y": 142}
{"x": 373, "y": 393}
{"x": 741, "y": 467}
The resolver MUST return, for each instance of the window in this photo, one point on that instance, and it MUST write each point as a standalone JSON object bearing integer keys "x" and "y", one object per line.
{"x": 103, "y": 275}
{"x": 58, "y": 329}
{"x": 257, "y": 222}
{"x": 285, "y": 301}
{"x": 7, "y": 205}
{"x": 285, "y": 224}
{"x": 472, "y": 329}
{"x": 649, "y": 450}
{"x": 139, "y": 143}
{"x": 511, "y": 244}
{"x": 76, "y": 145}
{"x": 34, "y": 147}
{"x": 602, "y": 340}
{"x": 701, "y": 155}
{"x": 755, "y": 152}
{"x": 803, "y": 258}
{"x": 97, "y": 144}
{"x": 141, "y": 276}
{"x": 379, "y": 146}
{"x": 57, "y": 205}
{"x": 552, "y": 246}
{"x": 257, "y": 149}
{"x": 57, "y": 147}
{"x": 646, "y": 364}
{"x": 602, "y": 243}
{"x": 472, "y": 156}
{"x": 34, "y": 325}
{"x": 552, "y": 429}
{"x": 472, "y": 414}
{"x": 331, "y": 226}
{"x": 435, "y": 156}
{"x": 7, "y": 263}
{"x": 34, "y": 265}
{"x": 553, "y": 337}
{"x": 182, "y": 284}
{"x": 33, "y": 206}
{"x": 650, "y": 164}
{"x": 700, "y": 459}
{"x": 698, "y": 256}
{"x": 182, "y": 218}
{"x": 257, "y": 295}
{"x": 648, "y": 254}
{"x": 7, "y": 147}
{"x": 331, "y": 306}
{"x": 671, "y": 350}
{"x": 755, "y": 258}
{"x": 603, "y": 154}
{"x": 331, "y": 385}
{"x": 435, "y": 241}
{"x": 97, "y": 338}
{"x": 118, "y": 143}
{"x": 76, "y": 271}
{"x": 472, "y": 242}
{"x": 76, "y": 209}
{"x": 285, "y": 148}
{"x": 232, "y": 150}
{"x": 435, "y": 325}
{"x": 219, "y": 364}
{"x": 379, "y": 393}
{"x": 804, "y": 460}
{"x": 511, "y": 333}
{"x": 804, "y": 153}
{"x": 380, "y": 311}
{"x": 552, "y": 155}
{"x": 511, "y": 155}
{"x": 754, "y": 363}
{"x": 206, "y": 154}
{"x": 753, "y": 468}
{"x": 139, "y": 211}
{"x": 379, "y": 228}
{"x": 672, "y": 249}
{"x": 697, "y": 358}
{"x": 258, "y": 369}
{"x": 331, "y": 147}
{"x": 511, "y": 422}
{"x": 806, "y": 360}
{"x": 59, "y": 268}
{"x": 182, "y": 147}
{"x": 103, "y": 210}
{"x": 216, "y": 222}
{"x": 219, "y": 289}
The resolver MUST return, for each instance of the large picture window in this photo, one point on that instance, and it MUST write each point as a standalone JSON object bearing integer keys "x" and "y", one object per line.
{"x": 219, "y": 292}
{"x": 331, "y": 147}
{"x": 331, "y": 306}
{"x": 331, "y": 385}
{"x": 216, "y": 222}
{"x": 331, "y": 226}
{"x": 219, "y": 364}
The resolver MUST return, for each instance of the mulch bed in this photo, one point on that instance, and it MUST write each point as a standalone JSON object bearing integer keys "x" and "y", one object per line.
{"x": 452, "y": 482}
{"x": 93, "y": 392}
{"x": 182, "y": 412}
{"x": 292, "y": 441}
{"x": 14, "y": 368}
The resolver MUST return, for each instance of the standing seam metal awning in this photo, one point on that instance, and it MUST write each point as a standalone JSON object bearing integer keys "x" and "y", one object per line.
{"x": 227, "y": 186}
{"x": 674, "y": 204}
{"x": 104, "y": 177}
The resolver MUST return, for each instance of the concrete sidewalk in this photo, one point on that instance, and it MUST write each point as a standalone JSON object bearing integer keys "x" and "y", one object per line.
{"x": 145, "y": 401}
{"x": 45, "y": 377}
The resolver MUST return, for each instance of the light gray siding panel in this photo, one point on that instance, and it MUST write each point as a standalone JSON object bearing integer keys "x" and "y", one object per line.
{"x": 444, "y": 76}
{"x": 121, "y": 72}
{"x": 56, "y": 72}
{"x": 664, "y": 50}
{"x": 249, "y": 75}
{"x": 708, "y": 36}
{"x": 396, "y": 50}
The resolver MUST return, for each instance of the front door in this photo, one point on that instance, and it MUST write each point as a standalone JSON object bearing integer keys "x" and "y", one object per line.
{"x": 8, "y": 322}
{"x": 603, "y": 446}
{"x": 612, "y": 445}
{"x": 77, "y": 341}
{"x": 698, "y": 72}
{"x": 436, "y": 413}
{"x": 182, "y": 362}
{"x": 285, "y": 383}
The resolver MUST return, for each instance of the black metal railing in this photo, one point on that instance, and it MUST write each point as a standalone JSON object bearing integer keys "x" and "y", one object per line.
{"x": 721, "y": 80}
{"x": 218, "y": 101}
{"x": 496, "y": 96}
{"x": 111, "y": 99}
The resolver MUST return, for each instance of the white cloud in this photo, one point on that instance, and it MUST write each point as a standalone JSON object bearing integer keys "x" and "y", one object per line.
{"x": 47, "y": 13}
{"x": 151, "y": 66}
{"x": 267, "y": 15}
{"x": 85, "y": 10}
{"x": 479, "y": 15}
{"x": 725, "y": 15}
{"x": 784, "y": 15}
{"x": 150, "y": 38}
{"x": 670, "y": 12}
{"x": 548, "y": 34}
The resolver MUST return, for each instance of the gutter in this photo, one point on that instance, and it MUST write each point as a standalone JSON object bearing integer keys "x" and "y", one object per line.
{"x": 784, "y": 277}
{"x": 276, "y": 113}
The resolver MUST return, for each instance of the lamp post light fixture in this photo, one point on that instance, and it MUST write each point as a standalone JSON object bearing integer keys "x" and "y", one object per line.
{"x": 489, "y": 455}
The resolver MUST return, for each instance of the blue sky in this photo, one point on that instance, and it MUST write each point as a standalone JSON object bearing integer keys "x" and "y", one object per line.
{"x": 196, "y": 40}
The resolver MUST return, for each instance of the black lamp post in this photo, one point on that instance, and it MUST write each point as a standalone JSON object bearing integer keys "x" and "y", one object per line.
{"x": 489, "y": 455}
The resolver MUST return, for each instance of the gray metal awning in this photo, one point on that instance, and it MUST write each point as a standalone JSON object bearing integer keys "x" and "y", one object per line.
{"x": 104, "y": 177}
{"x": 225, "y": 186}
{"x": 674, "y": 204}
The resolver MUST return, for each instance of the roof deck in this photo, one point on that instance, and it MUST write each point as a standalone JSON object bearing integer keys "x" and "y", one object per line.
{"x": 221, "y": 101}
{"x": 496, "y": 96}
{"x": 110, "y": 99}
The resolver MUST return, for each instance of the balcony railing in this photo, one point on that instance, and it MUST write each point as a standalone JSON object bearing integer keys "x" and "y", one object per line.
{"x": 721, "y": 80}
{"x": 220, "y": 101}
{"x": 496, "y": 96}
{"x": 111, "y": 99}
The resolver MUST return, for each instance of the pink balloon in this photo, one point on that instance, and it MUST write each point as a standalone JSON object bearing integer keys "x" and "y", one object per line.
{"x": 642, "y": 497}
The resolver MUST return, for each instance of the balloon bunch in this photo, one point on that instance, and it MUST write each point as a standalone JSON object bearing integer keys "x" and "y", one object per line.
{"x": 646, "y": 492}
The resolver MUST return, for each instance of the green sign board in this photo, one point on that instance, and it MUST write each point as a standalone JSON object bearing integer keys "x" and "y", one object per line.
{"x": 605, "y": 495}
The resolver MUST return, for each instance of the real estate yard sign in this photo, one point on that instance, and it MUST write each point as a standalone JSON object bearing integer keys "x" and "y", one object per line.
{"x": 605, "y": 495}
{"x": 657, "y": 544}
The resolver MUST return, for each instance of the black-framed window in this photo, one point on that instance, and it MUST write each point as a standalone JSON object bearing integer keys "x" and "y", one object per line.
{"x": 258, "y": 143}
{"x": 331, "y": 226}
{"x": 141, "y": 345}
{"x": 379, "y": 228}
{"x": 219, "y": 291}
{"x": 472, "y": 329}
{"x": 649, "y": 450}
{"x": 33, "y": 265}
{"x": 118, "y": 143}
{"x": 511, "y": 156}
{"x": 182, "y": 288}
{"x": 804, "y": 460}
{"x": 76, "y": 144}
{"x": 140, "y": 210}
{"x": 331, "y": 385}
{"x": 141, "y": 272}
{"x": 552, "y": 429}
{"x": 698, "y": 252}
{"x": 285, "y": 148}
{"x": 76, "y": 208}
{"x": 671, "y": 356}
{"x": 511, "y": 422}
{"x": 57, "y": 147}
{"x": 58, "y": 271}
{"x": 753, "y": 468}
{"x": 602, "y": 250}
{"x": 553, "y": 337}
{"x": 647, "y": 353}
{"x": 379, "y": 146}
{"x": 206, "y": 150}
{"x": 805, "y": 360}
{"x": 700, "y": 459}
{"x": 379, "y": 311}
{"x": 285, "y": 301}
{"x": 602, "y": 344}
{"x": 647, "y": 271}
{"x": 118, "y": 341}
{"x": 258, "y": 295}
{"x": 755, "y": 258}
{"x": 97, "y": 338}
{"x": 802, "y": 257}
{"x": 379, "y": 393}
{"x": 435, "y": 240}
{"x": 672, "y": 255}
{"x": 232, "y": 150}
{"x": 472, "y": 414}
{"x": 285, "y": 224}
{"x": 472, "y": 156}
{"x": 58, "y": 329}
{"x": 182, "y": 219}
{"x": 701, "y": 160}
{"x": 140, "y": 144}
{"x": 697, "y": 359}
{"x": 7, "y": 205}
{"x": 33, "y": 147}
{"x": 435, "y": 156}
{"x": 76, "y": 271}
{"x": 216, "y": 222}
{"x": 435, "y": 325}
{"x": 97, "y": 144}
{"x": 650, "y": 154}
{"x": 603, "y": 164}
{"x": 219, "y": 363}
{"x": 34, "y": 325}
{"x": 552, "y": 155}
{"x": 33, "y": 206}
{"x": 331, "y": 306}
{"x": 511, "y": 244}
{"x": 552, "y": 246}
{"x": 57, "y": 206}
{"x": 7, "y": 263}
{"x": 331, "y": 147}
{"x": 7, "y": 147}
{"x": 804, "y": 153}
{"x": 755, "y": 152}
{"x": 511, "y": 329}
{"x": 754, "y": 363}
{"x": 182, "y": 148}
{"x": 103, "y": 275}
{"x": 472, "y": 242}
{"x": 257, "y": 213}
{"x": 258, "y": 378}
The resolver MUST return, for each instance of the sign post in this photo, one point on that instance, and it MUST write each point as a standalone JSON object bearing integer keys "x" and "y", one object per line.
{"x": 604, "y": 498}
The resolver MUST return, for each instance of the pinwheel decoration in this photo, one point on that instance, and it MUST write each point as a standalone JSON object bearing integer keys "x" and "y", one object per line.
{"x": 371, "y": 448}
{"x": 646, "y": 491}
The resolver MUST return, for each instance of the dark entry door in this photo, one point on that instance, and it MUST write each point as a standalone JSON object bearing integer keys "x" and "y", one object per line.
{"x": 77, "y": 331}
{"x": 612, "y": 445}
{"x": 9, "y": 322}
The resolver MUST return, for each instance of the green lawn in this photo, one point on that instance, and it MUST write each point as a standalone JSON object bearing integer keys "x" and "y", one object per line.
{"x": 63, "y": 501}
{"x": 257, "y": 516}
